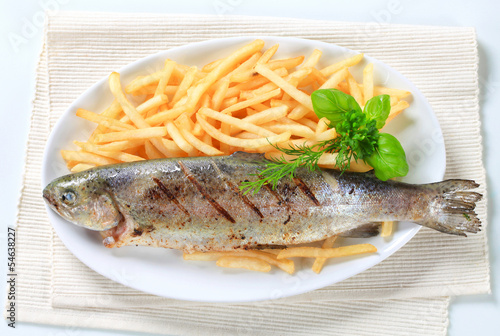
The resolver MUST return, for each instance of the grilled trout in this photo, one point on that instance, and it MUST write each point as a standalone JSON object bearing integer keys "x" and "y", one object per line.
{"x": 194, "y": 204}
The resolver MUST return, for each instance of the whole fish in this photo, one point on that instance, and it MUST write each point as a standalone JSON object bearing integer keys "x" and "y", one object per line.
{"x": 195, "y": 204}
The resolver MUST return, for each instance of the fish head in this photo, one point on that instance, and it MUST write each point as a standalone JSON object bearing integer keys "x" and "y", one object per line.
{"x": 83, "y": 199}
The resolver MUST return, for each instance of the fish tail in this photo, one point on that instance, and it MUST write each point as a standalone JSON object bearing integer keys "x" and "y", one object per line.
{"x": 453, "y": 207}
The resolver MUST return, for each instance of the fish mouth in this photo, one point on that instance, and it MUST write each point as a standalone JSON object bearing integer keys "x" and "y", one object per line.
{"x": 49, "y": 199}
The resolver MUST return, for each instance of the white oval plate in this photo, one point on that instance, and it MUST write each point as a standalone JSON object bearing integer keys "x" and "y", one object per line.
{"x": 163, "y": 272}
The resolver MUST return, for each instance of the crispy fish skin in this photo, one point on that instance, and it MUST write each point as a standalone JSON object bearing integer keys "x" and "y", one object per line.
{"x": 194, "y": 204}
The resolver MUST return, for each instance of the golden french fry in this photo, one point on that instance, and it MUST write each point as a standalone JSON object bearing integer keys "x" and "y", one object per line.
{"x": 387, "y": 228}
{"x": 397, "y": 109}
{"x": 151, "y": 152}
{"x": 238, "y": 89}
{"x": 251, "y": 101}
{"x": 326, "y": 135}
{"x": 307, "y": 122}
{"x": 322, "y": 125}
{"x": 185, "y": 122}
{"x": 165, "y": 77}
{"x": 239, "y": 123}
{"x": 313, "y": 59}
{"x": 318, "y": 252}
{"x": 296, "y": 129}
{"x": 212, "y": 65}
{"x": 184, "y": 85}
{"x": 266, "y": 56}
{"x": 120, "y": 156}
{"x": 118, "y": 146}
{"x": 298, "y": 95}
{"x": 335, "y": 79}
{"x": 348, "y": 62}
{"x": 107, "y": 122}
{"x": 200, "y": 145}
{"x": 267, "y": 115}
{"x": 135, "y": 117}
{"x": 319, "y": 262}
{"x": 288, "y": 63}
{"x": 141, "y": 133}
{"x": 245, "y": 143}
{"x": 368, "y": 82}
{"x": 286, "y": 265}
{"x": 252, "y": 264}
{"x": 354, "y": 89}
{"x": 113, "y": 111}
{"x": 220, "y": 94}
{"x": 180, "y": 141}
{"x": 81, "y": 167}
{"x": 85, "y": 157}
{"x": 222, "y": 68}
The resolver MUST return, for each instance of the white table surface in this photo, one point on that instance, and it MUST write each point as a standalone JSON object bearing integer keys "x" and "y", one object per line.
{"x": 469, "y": 315}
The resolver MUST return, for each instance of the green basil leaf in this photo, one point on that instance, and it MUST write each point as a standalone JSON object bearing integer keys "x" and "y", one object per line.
{"x": 389, "y": 158}
{"x": 332, "y": 104}
{"x": 378, "y": 108}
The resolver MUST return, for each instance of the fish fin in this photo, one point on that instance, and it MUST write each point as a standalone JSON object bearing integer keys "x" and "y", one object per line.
{"x": 370, "y": 173}
{"x": 363, "y": 231}
{"x": 249, "y": 157}
{"x": 455, "y": 213}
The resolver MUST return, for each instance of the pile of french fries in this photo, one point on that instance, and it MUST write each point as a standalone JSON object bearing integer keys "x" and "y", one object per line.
{"x": 241, "y": 102}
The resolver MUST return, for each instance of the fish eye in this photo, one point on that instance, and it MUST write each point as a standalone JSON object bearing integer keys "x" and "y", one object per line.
{"x": 68, "y": 197}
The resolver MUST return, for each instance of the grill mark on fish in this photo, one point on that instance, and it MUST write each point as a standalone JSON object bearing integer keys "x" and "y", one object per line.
{"x": 238, "y": 191}
{"x": 170, "y": 196}
{"x": 275, "y": 194}
{"x": 305, "y": 189}
{"x": 204, "y": 193}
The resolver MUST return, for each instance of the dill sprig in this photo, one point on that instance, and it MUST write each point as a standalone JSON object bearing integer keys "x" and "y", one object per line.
{"x": 357, "y": 138}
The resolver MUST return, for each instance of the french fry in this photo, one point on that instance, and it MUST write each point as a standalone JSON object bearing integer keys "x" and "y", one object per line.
{"x": 266, "y": 56}
{"x": 318, "y": 252}
{"x": 319, "y": 262}
{"x": 179, "y": 140}
{"x": 296, "y": 129}
{"x": 335, "y": 79}
{"x": 220, "y": 94}
{"x": 354, "y": 89}
{"x": 397, "y": 109}
{"x": 252, "y": 264}
{"x": 221, "y": 69}
{"x": 81, "y": 167}
{"x": 245, "y": 143}
{"x": 118, "y": 146}
{"x": 107, "y": 122}
{"x": 298, "y": 95}
{"x": 322, "y": 125}
{"x": 200, "y": 145}
{"x": 151, "y": 152}
{"x": 252, "y": 101}
{"x": 327, "y": 135}
{"x": 120, "y": 156}
{"x": 348, "y": 62}
{"x": 112, "y": 112}
{"x": 387, "y": 228}
{"x": 239, "y": 123}
{"x": 141, "y": 133}
{"x": 85, "y": 157}
{"x": 368, "y": 82}
{"x": 165, "y": 77}
{"x": 286, "y": 265}
{"x": 184, "y": 85}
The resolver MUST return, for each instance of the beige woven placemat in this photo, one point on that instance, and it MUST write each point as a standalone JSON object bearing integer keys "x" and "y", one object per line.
{"x": 81, "y": 48}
